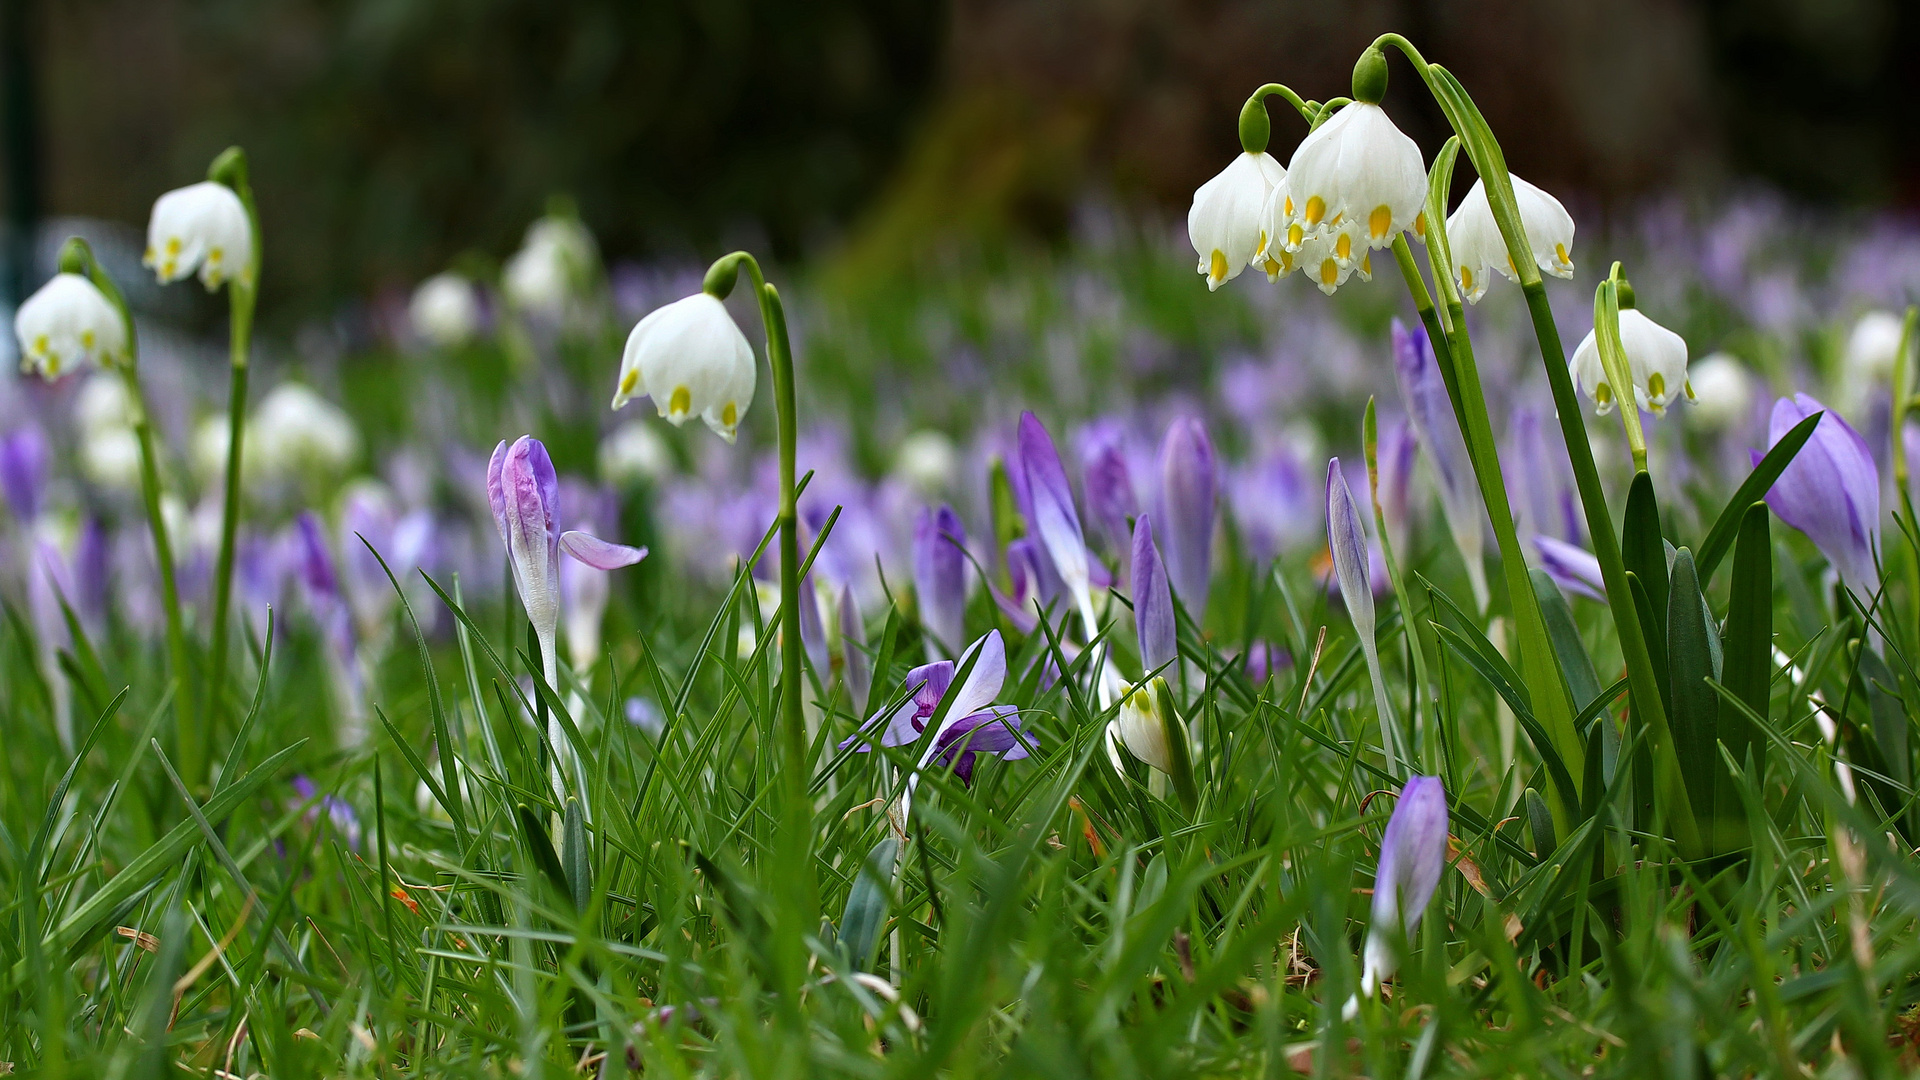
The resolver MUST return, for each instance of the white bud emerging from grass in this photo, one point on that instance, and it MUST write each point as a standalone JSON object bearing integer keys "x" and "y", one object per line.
{"x": 200, "y": 227}
{"x": 66, "y": 325}
{"x": 928, "y": 461}
{"x": 1722, "y": 391}
{"x": 633, "y": 453}
{"x": 554, "y": 265}
{"x": 692, "y": 359}
{"x": 295, "y": 430}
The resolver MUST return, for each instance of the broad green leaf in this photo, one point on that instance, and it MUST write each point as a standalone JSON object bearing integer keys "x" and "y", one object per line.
{"x": 1695, "y": 712}
{"x": 1747, "y": 671}
{"x": 1582, "y": 681}
{"x": 867, "y": 904}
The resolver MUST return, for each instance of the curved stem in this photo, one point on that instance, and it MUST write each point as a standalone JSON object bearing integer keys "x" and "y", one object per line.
{"x": 241, "y": 293}
{"x": 1281, "y": 90}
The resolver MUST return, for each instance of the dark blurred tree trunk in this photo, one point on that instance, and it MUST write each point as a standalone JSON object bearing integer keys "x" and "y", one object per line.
{"x": 20, "y": 132}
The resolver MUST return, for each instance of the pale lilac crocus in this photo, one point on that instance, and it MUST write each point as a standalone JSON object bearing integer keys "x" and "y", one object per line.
{"x": 1572, "y": 567}
{"x": 346, "y": 823}
{"x": 1430, "y": 412}
{"x": 320, "y": 581}
{"x": 524, "y": 494}
{"x": 1538, "y": 478}
{"x": 1053, "y": 517}
{"x": 1152, "y": 601}
{"x": 1830, "y": 491}
{"x": 1189, "y": 484}
{"x": 940, "y": 578}
{"x": 1347, "y": 542}
{"x": 1111, "y": 502}
{"x": 1398, "y": 454}
{"x": 1413, "y": 853}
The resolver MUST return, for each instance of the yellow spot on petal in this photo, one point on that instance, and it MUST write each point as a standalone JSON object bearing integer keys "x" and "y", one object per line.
{"x": 630, "y": 380}
{"x": 40, "y": 344}
{"x": 1602, "y": 395}
{"x": 1560, "y": 253}
{"x": 1343, "y": 247}
{"x": 86, "y": 339}
{"x": 1688, "y": 384}
{"x": 681, "y": 402}
{"x": 173, "y": 245}
{"x": 1420, "y": 225}
{"x": 1316, "y": 209}
{"x": 1514, "y": 269}
{"x": 1286, "y": 206}
{"x": 1329, "y": 272}
{"x": 1380, "y": 222}
{"x": 1366, "y": 264}
{"x": 214, "y": 255}
{"x": 730, "y": 415}
{"x": 1657, "y": 386}
{"x": 1262, "y": 246}
{"x": 1295, "y": 235}
{"x": 1217, "y": 267}
{"x": 1466, "y": 279}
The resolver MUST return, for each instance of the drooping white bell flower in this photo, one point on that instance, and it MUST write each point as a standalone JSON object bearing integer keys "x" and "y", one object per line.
{"x": 66, "y": 325}
{"x": 1722, "y": 391}
{"x": 202, "y": 227}
{"x": 295, "y": 430}
{"x": 1357, "y": 179}
{"x": 1478, "y": 246}
{"x": 692, "y": 359}
{"x": 445, "y": 310}
{"x": 103, "y": 403}
{"x": 928, "y": 461}
{"x": 1656, "y": 359}
{"x": 110, "y": 457}
{"x": 552, "y": 267}
{"x": 1225, "y": 221}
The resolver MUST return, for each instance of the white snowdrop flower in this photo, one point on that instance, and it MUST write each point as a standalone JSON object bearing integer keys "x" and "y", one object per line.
{"x": 296, "y": 430}
{"x": 1722, "y": 391}
{"x": 1656, "y": 359}
{"x": 1225, "y": 221}
{"x": 1140, "y": 727}
{"x": 635, "y": 452}
{"x": 692, "y": 359}
{"x": 445, "y": 309}
{"x": 553, "y": 265}
{"x": 1356, "y": 179}
{"x": 202, "y": 227}
{"x": 1479, "y": 248}
{"x": 928, "y": 461}
{"x": 67, "y": 324}
{"x": 110, "y": 457}
{"x": 103, "y": 404}
{"x": 1872, "y": 346}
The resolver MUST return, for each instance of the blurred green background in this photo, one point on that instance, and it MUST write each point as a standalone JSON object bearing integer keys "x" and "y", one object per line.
{"x": 391, "y": 136}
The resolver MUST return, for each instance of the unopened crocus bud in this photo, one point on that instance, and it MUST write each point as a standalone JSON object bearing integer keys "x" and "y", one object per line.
{"x": 1054, "y": 519}
{"x": 1412, "y": 855}
{"x": 1152, "y": 601}
{"x": 1430, "y": 412}
{"x": 67, "y": 324}
{"x": 1572, "y": 567}
{"x": 940, "y": 578}
{"x": 24, "y": 457}
{"x": 1479, "y": 248}
{"x": 1656, "y": 359}
{"x": 1830, "y": 491}
{"x": 1189, "y": 484}
{"x": 1347, "y": 543}
{"x": 1110, "y": 498}
{"x": 692, "y": 359}
{"x": 445, "y": 310}
{"x": 200, "y": 227}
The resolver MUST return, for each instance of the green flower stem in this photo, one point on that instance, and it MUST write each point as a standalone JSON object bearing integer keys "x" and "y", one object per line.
{"x": 229, "y": 168}
{"x": 1902, "y": 404}
{"x": 798, "y": 848}
{"x": 1613, "y": 358}
{"x": 1484, "y": 151}
{"x": 77, "y": 257}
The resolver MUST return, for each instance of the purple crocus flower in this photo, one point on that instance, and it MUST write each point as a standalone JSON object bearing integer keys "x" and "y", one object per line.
{"x": 1430, "y": 412}
{"x": 1347, "y": 542}
{"x": 368, "y": 516}
{"x": 1572, "y": 567}
{"x": 1412, "y": 855}
{"x": 973, "y": 724}
{"x": 23, "y": 470}
{"x": 1264, "y": 659}
{"x": 1398, "y": 453}
{"x": 940, "y": 578}
{"x": 328, "y": 605}
{"x": 854, "y": 671}
{"x": 1111, "y": 502}
{"x": 813, "y": 630}
{"x": 1152, "y": 601}
{"x": 1830, "y": 491}
{"x": 1053, "y": 517}
{"x": 1189, "y": 483}
{"x": 1539, "y": 480}
{"x": 339, "y": 812}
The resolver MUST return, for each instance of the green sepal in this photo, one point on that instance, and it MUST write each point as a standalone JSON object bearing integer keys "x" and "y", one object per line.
{"x": 721, "y": 277}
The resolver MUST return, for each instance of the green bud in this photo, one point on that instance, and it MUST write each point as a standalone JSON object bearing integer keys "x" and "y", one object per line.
{"x": 230, "y": 168}
{"x": 76, "y": 257}
{"x": 1255, "y": 127}
{"x": 1370, "y": 77}
{"x": 1626, "y": 295}
{"x": 721, "y": 276}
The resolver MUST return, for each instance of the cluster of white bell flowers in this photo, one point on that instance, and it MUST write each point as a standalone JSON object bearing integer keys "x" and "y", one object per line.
{"x": 1354, "y": 185}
